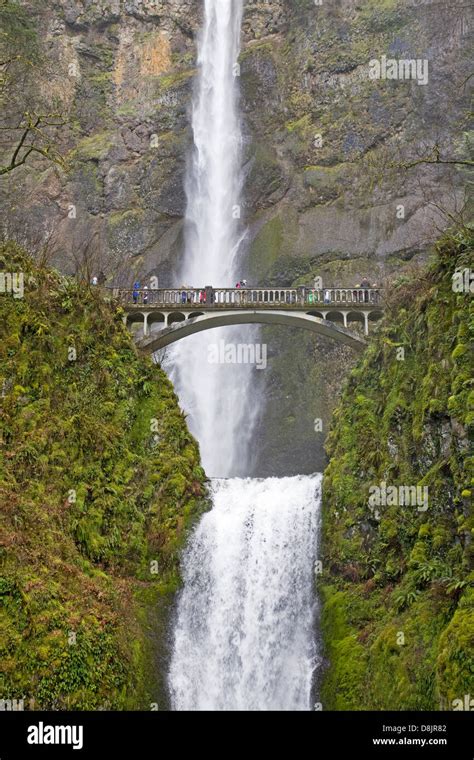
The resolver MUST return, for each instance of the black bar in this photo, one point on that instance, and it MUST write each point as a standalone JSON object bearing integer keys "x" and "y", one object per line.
{"x": 324, "y": 734}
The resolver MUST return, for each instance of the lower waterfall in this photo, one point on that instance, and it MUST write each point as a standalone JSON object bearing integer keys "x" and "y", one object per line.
{"x": 244, "y": 635}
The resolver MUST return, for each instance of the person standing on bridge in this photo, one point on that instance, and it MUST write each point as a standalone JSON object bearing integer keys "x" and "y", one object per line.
{"x": 136, "y": 292}
{"x": 365, "y": 285}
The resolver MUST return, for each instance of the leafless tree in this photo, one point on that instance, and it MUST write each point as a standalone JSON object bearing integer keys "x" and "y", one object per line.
{"x": 28, "y": 125}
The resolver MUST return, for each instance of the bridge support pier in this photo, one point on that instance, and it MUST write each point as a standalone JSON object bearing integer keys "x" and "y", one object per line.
{"x": 145, "y": 324}
{"x": 366, "y": 323}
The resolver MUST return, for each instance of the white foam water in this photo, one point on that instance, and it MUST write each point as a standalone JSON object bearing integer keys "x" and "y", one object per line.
{"x": 221, "y": 400}
{"x": 244, "y": 636}
{"x": 244, "y": 629}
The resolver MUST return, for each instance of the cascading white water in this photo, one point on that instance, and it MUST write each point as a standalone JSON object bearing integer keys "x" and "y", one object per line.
{"x": 214, "y": 180}
{"x": 217, "y": 397}
{"x": 244, "y": 637}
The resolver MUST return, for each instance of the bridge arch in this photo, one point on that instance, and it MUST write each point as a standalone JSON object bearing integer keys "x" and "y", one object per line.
{"x": 355, "y": 316}
{"x": 208, "y": 321}
{"x": 336, "y": 316}
{"x": 154, "y": 319}
{"x": 176, "y": 316}
{"x": 375, "y": 315}
{"x": 135, "y": 319}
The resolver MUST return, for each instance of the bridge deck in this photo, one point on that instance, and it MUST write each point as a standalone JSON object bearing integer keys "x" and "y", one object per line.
{"x": 211, "y": 299}
{"x": 311, "y": 309}
{"x": 221, "y": 318}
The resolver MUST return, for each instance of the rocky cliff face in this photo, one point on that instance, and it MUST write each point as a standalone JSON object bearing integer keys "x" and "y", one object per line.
{"x": 325, "y": 134}
{"x": 324, "y": 194}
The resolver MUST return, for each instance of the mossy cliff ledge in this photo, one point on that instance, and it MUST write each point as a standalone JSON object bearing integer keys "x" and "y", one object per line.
{"x": 100, "y": 481}
{"x": 397, "y": 596}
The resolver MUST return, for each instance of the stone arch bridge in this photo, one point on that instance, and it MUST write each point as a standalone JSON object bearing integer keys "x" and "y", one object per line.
{"x": 165, "y": 316}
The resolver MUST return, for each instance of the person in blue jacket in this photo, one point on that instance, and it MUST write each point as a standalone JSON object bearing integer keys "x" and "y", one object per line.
{"x": 136, "y": 291}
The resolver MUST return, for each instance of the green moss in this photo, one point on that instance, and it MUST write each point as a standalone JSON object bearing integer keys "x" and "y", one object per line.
{"x": 94, "y": 510}
{"x": 94, "y": 148}
{"x": 343, "y": 685}
{"x": 257, "y": 48}
{"x": 127, "y": 109}
{"x": 404, "y": 423}
{"x": 119, "y": 218}
{"x": 267, "y": 247}
{"x": 176, "y": 80}
{"x": 454, "y": 666}
{"x": 268, "y": 257}
{"x": 302, "y": 125}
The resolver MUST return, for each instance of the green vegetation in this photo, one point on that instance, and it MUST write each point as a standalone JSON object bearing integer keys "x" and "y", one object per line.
{"x": 99, "y": 482}
{"x": 398, "y": 617}
{"x": 176, "y": 80}
{"x": 266, "y": 247}
{"x": 94, "y": 148}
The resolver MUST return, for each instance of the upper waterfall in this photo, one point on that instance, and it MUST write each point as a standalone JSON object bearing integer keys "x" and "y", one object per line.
{"x": 214, "y": 178}
{"x": 221, "y": 400}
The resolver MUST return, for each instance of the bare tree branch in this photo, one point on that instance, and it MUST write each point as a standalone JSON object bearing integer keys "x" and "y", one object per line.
{"x": 434, "y": 160}
{"x": 34, "y": 129}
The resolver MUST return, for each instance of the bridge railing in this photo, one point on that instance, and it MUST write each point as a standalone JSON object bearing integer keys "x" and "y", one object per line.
{"x": 205, "y": 298}
{"x": 344, "y": 296}
{"x": 166, "y": 297}
{"x": 256, "y": 297}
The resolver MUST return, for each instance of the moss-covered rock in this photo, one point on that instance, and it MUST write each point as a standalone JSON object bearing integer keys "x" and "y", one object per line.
{"x": 99, "y": 482}
{"x": 406, "y": 569}
{"x": 94, "y": 148}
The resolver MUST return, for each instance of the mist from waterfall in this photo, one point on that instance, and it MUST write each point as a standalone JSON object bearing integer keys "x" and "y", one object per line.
{"x": 220, "y": 399}
{"x": 243, "y": 636}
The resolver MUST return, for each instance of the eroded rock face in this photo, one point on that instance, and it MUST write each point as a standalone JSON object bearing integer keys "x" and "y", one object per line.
{"x": 337, "y": 133}
{"x": 264, "y": 18}
{"x": 323, "y": 195}
{"x": 121, "y": 72}
{"x": 321, "y": 135}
